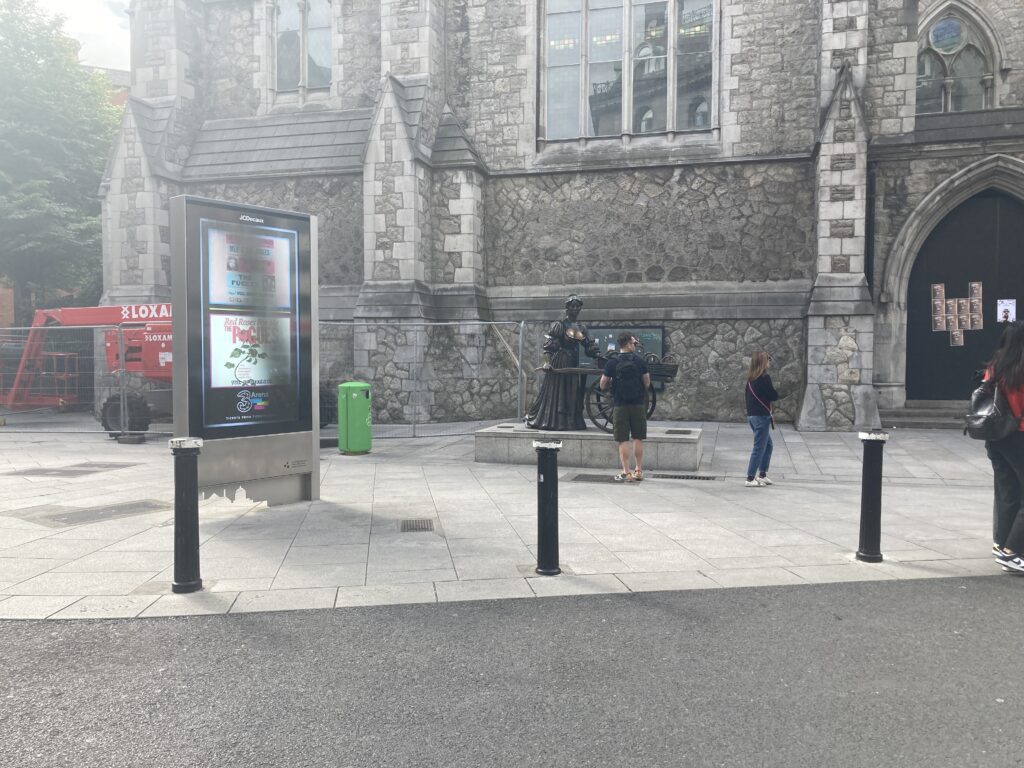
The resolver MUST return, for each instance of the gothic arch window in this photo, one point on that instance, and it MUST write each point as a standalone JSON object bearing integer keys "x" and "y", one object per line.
{"x": 613, "y": 67}
{"x": 302, "y": 44}
{"x": 955, "y": 65}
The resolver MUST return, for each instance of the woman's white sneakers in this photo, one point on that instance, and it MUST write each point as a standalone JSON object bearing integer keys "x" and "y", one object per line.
{"x": 758, "y": 482}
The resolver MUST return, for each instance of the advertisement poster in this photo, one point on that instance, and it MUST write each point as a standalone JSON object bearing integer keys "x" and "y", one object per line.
{"x": 1006, "y": 310}
{"x": 248, "y": 351}
{"x": 249, "y": 269}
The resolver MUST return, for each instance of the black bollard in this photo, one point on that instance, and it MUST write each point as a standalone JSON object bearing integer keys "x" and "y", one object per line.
{"x": 186, "y": 514}
{"x": 547, "y": 507}
{"x": 871, "y": 497}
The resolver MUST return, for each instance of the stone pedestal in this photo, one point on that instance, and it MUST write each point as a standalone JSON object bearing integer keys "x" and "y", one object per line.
{"x": 665, "y": 449}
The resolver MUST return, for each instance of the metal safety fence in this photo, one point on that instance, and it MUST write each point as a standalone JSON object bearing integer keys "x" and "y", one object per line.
{"x": 425, "y": 378}
{"x": 95, "y": 378}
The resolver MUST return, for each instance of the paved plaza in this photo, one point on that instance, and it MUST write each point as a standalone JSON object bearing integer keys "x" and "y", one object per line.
{"x": 86, "y": 525}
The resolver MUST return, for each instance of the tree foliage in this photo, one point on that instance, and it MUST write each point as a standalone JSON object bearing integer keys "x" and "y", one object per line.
{"x": 56, "y": 125}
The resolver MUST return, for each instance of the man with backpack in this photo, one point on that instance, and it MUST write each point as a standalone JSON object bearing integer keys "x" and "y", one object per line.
{"x": 630, "y": 380}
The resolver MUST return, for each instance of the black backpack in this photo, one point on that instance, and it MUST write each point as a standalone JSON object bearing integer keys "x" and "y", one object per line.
{"x": 628, "y": 387}
{"x": 990, "y": 417}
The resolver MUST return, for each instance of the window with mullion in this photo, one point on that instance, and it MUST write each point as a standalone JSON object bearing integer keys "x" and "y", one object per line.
{"x": 604, "y": 64}
{"x": 665, "y": 46}
{"x": 302, "y": 44}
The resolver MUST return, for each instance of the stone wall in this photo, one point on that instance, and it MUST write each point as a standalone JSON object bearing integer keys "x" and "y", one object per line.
{"x": 492, "y": 64}
{"x": 422, "y": 373}
{"x": 230, "y": 62}
{"x": 457, "y": 227}
{"x": 714, "y": 222}
{"x": 890, "y": 93}
{"x": 359, "y": 54}
{"x": 335, "y": 200}
{"x": 770, "y": 75}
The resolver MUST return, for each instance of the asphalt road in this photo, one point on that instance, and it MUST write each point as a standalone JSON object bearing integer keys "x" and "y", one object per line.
{"x": 913, "y": 673}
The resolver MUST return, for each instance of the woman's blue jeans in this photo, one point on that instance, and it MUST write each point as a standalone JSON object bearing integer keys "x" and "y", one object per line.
{"x": 761, "y": 455}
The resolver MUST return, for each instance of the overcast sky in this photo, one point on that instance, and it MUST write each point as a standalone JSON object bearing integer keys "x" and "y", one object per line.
{"x": 101, "y": 26}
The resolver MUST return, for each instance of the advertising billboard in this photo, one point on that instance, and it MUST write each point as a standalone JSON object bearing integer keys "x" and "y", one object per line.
{"x": 248, "y": 292}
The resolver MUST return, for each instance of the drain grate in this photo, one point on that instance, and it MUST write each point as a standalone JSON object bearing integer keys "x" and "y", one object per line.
{"x": 685, "y": 477}
{"x": 659, "y": 475}
{"x": 417, "y": 526}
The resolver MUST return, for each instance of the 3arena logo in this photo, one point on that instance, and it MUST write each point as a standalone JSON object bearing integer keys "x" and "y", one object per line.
{"x": 252, "y": 401}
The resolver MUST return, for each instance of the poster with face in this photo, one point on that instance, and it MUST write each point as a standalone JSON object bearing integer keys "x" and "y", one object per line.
{"x": 951, "y": 323}
{"x": 975, "y": 306}
{"x": 963, "y": 322}
{"x": 962, "y": 307}
{"x": 1006, "y": 310}
{"x": 956, "y": 338}
{"x": 938, "y": 307}
{"x": 939, "y": 291}
{"x": 950, "y": 306}
{"x": 977, "y": 324}
{"x": 974, "y": 291}
{"x": 938, "y": 322}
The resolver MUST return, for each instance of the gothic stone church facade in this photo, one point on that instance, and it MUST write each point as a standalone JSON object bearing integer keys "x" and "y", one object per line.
{"x": 789, "y": 175}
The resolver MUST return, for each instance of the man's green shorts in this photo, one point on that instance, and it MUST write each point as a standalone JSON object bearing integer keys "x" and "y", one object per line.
{"x": 629, "y": 420}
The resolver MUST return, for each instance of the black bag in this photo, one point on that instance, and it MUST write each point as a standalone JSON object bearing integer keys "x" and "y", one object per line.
{"x": 990, "y": 417}
{"x": 628, "y": 386}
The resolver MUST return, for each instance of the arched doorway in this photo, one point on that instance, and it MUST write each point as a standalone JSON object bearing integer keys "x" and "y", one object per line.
{"x": 981, "y": 240}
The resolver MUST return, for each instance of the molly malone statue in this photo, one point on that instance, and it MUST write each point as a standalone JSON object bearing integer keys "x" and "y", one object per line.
{"x": 559, "y": 403}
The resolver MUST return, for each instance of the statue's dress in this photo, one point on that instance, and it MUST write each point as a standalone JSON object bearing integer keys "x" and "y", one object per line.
{"x": 559, "y": 403}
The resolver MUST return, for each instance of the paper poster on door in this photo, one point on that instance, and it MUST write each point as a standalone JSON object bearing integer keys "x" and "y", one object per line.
{"x": 1006, "y": 310}
{"x": 957, "y": 315}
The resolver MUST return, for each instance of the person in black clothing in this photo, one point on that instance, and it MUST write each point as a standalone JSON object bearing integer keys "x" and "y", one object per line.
{"x": 760, "y": 394}
{"x": 628, "y": 374}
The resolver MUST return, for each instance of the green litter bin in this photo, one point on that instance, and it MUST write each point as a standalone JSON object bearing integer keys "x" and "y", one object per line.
{"x": 354, "y": 422}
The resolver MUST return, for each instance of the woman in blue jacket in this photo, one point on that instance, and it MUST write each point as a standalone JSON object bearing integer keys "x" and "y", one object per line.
{"x": 760, "y": 394}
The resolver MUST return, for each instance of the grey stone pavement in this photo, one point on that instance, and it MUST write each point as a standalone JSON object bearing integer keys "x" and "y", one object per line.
{"x": 86, "y": 525}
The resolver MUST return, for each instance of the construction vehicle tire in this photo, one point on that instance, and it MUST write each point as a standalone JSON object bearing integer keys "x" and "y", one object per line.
{"x": 138, "y": 414}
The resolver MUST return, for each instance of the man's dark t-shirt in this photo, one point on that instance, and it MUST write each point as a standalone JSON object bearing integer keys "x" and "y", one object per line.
{"x": 641, "y": 369}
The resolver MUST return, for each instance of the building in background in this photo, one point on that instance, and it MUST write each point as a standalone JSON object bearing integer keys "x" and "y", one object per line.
{"x": 791, "y": 176}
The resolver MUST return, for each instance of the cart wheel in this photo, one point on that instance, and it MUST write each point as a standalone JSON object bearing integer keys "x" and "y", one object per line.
{"x": 599, "y": 407}
{"x": 138, "y": 414}
{"x": 652, "y": 400}
{"x": 650, "y": 357}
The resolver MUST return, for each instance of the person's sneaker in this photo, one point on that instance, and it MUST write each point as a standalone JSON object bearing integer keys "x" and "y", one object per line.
{"x": 1011, "y": 561}
{"x": 752, "y": 484}
{"x": 765, "y": 480}
{"x": 623, "y": 477}
{"x": 638, "y": 475}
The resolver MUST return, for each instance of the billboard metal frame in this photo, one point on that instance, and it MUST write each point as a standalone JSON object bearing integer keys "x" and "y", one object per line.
{"x": 260, "y": 434}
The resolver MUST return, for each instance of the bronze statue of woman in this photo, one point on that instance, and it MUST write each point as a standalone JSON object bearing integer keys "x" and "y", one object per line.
{"x": 559, "y": 403}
